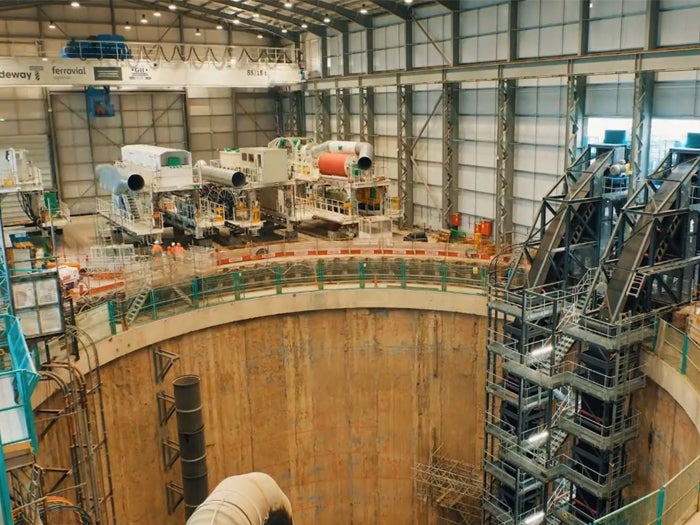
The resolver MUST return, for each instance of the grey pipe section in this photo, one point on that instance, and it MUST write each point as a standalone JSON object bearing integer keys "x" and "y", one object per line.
{"x": 116, "y": 183}
{"x": 363, "y": 150}
{"x": 249, "y": 499}
{"x": 190, "y": 431}
{"x": 221, "y": 175}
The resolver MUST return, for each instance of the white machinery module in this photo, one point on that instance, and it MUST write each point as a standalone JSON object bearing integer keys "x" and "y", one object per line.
{"x": 19, "y": 174}
{"x": 153, "y": 187}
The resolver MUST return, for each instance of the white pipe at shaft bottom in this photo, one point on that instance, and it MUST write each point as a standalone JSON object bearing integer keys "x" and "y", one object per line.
{"x": 248, "y": 499}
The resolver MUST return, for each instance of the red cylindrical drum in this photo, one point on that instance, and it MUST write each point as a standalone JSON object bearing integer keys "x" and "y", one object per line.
{"x": 334, "y": 164}
{"x": 486, "y": 227}
{"x": 455, "y": 220}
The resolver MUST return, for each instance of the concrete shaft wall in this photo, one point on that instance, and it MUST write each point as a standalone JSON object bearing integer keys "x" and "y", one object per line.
{"x": 668, "y": 440}
{"x": 336, "y": 405}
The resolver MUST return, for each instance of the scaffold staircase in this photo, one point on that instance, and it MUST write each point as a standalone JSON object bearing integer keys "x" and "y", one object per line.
{"x": 132, "y": 206}
{"x": 138, "y": 302}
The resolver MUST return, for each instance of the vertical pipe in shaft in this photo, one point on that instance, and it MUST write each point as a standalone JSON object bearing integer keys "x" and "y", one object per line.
{"x": 190, "y": 431}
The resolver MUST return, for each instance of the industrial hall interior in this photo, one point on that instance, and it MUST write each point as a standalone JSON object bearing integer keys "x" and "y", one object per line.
{"x": 349, "y": 262}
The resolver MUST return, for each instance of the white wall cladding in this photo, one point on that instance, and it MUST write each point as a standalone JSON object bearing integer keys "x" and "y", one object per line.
{"x": 678, "y": 22}
{"x": 211, "y": 122}
{"x": 609, "y": 96}
{"x": 432, "y": 34}
{"x": 24, "y": 126}
{"x": 547, "y": 27}
{"x": 255, "y": 119}
{"x": 478, "y": 111}
{"x": 484, "y": 31}
{"x": 677, "y": 95}
{"x": 334, "y": 59}
{"x": 540, "y": 152}
{"x": 357, "y": 54}
{"x": 312, "y": 55}
{"x": 427, "y": 155}
{"x": 616, "y": 24}
{"x": 389, "y": 47}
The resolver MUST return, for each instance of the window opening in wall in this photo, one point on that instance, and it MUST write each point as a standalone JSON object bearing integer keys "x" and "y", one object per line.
{"x": 665, "y": 133}
{"x": 669, "y": 133}
{"x": 597, "y": 126}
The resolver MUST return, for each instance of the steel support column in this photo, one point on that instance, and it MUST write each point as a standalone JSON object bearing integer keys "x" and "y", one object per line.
{"x": 652, "y": 25}
{"x": 342, "y": 112}
{"x": 575, "y": 105}
{"x": 641, "y": 126}
{"x": 404, "y": 113}
{"x": 512, "y": 30}
{"x": 450, "y": 157}
{"x": 280, "y": 123}
{"x": 505, "y": 161}
{"x": 322, "y": 115}
{"x": 295, "y": 114}
{"x": 584, "y": 23}
{"x": 367, "y": 115}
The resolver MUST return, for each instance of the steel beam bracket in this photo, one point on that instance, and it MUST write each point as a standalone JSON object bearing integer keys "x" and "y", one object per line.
{"x": 166, "y": 407}
{"x": 173, "y": 496}
{"x": 162, "y": 363}
{"x": 171, "y": 452}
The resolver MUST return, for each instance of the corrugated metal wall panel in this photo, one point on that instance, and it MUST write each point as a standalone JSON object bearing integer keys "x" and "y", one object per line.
{"x": 24, "y": 127}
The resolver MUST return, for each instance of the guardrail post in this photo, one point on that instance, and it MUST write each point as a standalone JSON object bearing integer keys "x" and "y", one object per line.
{"x": 237, "y": 285}
{"x": 195, "y": 293}
{"x": 443, "y": 277}
{"x": 684, "y": 358}
{"x": 361, "y": 273}
{"x": 319, "y": 275}
{"x": 656, "y": 334}
{"x": 112, "y": 318}
{"x": 402, "y": 273}
{"x": 278, "y": 279}
{"x": 152, "y": 298}
{"x": 660, "y": 506}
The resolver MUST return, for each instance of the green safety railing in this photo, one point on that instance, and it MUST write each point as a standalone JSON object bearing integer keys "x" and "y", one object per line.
{"x": 16, "y": 413}
{"x": 677, "y": 499}
{"x": 301, "y": 277}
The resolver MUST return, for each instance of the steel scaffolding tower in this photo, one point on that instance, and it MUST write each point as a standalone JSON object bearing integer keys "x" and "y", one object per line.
{"x": 533, "y": 292}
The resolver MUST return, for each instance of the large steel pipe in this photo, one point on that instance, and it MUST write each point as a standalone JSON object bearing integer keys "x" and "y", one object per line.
{"x": 222, "y": 176}
{"x": 112, "y": 180}
{"x": 190, "y": 431}
{"x": 363, "y": 150}
{"x": 249, "y": 499}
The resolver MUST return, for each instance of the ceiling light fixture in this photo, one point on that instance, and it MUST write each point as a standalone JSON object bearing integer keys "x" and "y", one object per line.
{"x": 284, "y": 29}
{"x": 236, "y": 21}
{"x": 45, "y": 59}
{"x": 172, "y": 6}
{"x": 288, "y": 5}
{"x": 156, "y": 13}
{"x": 220, "y": 25}
{"x": 363, "y": 10}
{"x": 144, "y": 20}
{"x": 127, "y": 26}
{"x": 75, "y": 4}
{"x": 327, "y": 19}
{"x": 256, "y": 14}
{"x": 52, "y": 25}
{"x": 197, "y": 32}
{"x": 408, "y": 1}
{"x": 304, "y": 25}
{"x": 2, "y": 120}
{"x": 259, "y": 35}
